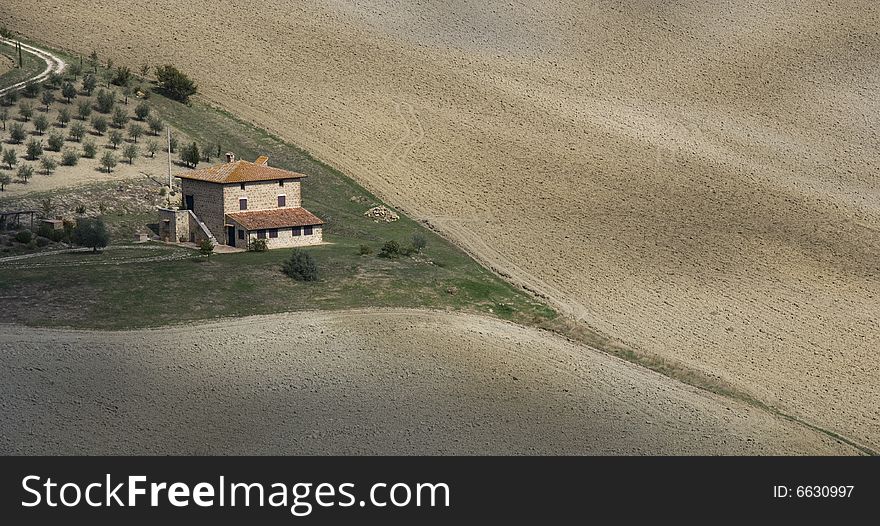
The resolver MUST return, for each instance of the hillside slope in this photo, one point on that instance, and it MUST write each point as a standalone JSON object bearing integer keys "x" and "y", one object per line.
{"x": 697, "y": 179}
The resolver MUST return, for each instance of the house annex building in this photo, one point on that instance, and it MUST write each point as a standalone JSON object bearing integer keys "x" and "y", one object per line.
{"x": 239, "y": 201}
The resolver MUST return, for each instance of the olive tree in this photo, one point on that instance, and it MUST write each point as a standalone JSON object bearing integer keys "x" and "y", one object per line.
{"x": 130, "y": 152}
{"x": 68, "y": 91}
{"x": 77, "y": 131}
{"x": 10, "y": 158}
{"x": 135, "y": 131}
{"x": 84, "y": 109}
{"x": 41, "y": 123}
{"x": 91, "y": 232}
{"x": 115, "y": 138}
{"x": 108, "y": 161}
{"x": 49, "y": 164}
{"x": 34, "y": 149}
{"x": 17, "y": 133}
{"x": 26, "y": 110}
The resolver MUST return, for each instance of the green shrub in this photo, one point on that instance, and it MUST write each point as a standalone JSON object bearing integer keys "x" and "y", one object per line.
{"x": 24, "y": 236}
{"x": 391, "y": 249}
{"x": 43, "y": 241}
{"x": 301, "y": 266}
{"x": 258, "y": 245}
{"x": 365, "y": 250}
{"x": 206, "y": 247}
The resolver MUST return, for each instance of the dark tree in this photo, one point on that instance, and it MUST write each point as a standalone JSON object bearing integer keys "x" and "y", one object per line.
{"x": 31, "y": 90}
{"x": 120, "y": 117}
{"x": 99, "y": 124}
{"x": 130, "y": 152}
{"x": 142, "y": 110}
{"x": 68, "y": 91}
{"x": 91, "y": 232}
{"x": 41, "y": 123}
{"x": 5, "y": 179}
{"x": 25, "y": 172}
{"x": 105, "y": 100}
{"x": 174, "y": 83}
{"x": 48, "y": 98}
{"x": 93, "y": 61}
{"x": 108, "y": 161}
{"x": 69, "y": 157}
{"x": 55, "y": 80}
{"x": 115, "y": 138}
{"x": 155, "y": 124}
{"x": 190, "y": 155}
{"x": 76, "y": 69}
{"x": 34, "y": 149}
{"x": 89, "y": 83}
{"x": 49, "y": 164}
{"x": 77, "y": 131}
{"x": 10, "y": 159}
{"x": 121, "y": 76}
{"x": 17, "y": 133}
{"x": 90, "y": 149}
{"x": 63, "y": 117}
{"x": 26, "y": 110}
{"x": 135, "y": 131}
{"x": 4, "y": 116}
{"x": 84, "y": 109}
{"x": 55, "y": 142}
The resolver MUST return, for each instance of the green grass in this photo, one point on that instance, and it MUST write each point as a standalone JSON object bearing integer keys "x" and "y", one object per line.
{"x": 32, "y": 66}
{"x": 80, "y": 291}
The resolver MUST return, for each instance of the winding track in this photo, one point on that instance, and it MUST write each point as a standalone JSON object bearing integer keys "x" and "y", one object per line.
{"x": 53, "y": 65}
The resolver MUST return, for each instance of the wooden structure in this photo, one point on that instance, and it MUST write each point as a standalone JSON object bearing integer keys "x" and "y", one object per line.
{"x": 12, "y": 219}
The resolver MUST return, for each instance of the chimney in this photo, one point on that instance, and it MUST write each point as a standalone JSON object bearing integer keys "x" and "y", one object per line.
{"x": 230, "y": 157}
{"x": 262, "y": 160}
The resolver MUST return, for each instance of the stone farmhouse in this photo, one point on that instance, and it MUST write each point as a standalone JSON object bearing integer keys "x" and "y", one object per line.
{"x": 239, "y": 201}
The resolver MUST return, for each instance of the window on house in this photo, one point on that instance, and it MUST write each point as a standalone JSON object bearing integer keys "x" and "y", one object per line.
{"x": 282, "y": 201}
{"x": 242, "y": 203}
{"x": 261, "y": 234}
{"x": 273, "y": 232}
{"x": 281, "y": 182}
{"x": 297, "y": 230}
{"x": 241, "y": 234}
{"x": 307, "y": 230}
{"x": 242, "y": 186}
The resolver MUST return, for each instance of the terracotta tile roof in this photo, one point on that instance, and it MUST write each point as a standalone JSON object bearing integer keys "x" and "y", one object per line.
{"x": 275, "y": 218}
{"x": 240, "y": 172}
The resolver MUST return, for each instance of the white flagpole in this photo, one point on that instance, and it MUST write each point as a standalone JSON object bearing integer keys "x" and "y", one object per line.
{"x": 168, "y": 130}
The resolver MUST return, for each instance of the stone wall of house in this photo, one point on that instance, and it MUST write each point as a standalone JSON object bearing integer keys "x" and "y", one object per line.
{"x": 207, "y": 204}
{"x": 173, "y": 224}
{"x": 262, "y": 195}
{"x": 285, "y": 238}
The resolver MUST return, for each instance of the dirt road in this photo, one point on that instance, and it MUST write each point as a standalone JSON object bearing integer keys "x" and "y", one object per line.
{"x": 380, "y": 382}
{"x": 54, "y": 64}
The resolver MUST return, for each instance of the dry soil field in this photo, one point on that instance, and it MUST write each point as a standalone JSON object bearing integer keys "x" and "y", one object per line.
{"x": 395, "y": 382}
{"x": 695, "y": 178}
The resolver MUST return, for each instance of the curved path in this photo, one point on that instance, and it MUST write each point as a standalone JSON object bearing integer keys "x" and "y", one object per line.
{"x": 53, "y": 65}
{"x": 386, "y": 381}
